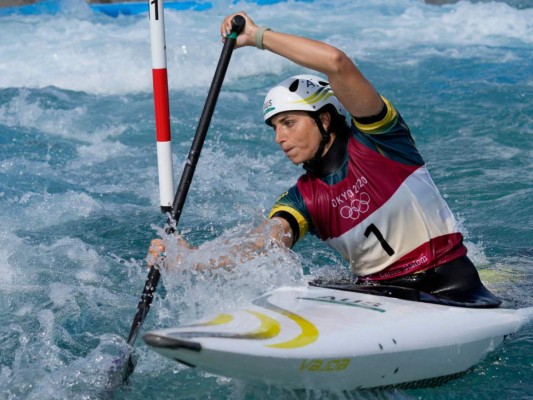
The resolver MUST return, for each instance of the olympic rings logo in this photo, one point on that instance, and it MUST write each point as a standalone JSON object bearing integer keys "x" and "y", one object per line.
{"x": 357, "y": 207}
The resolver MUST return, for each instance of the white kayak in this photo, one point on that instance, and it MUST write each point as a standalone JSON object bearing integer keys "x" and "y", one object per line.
{"x": 322, "y": 338}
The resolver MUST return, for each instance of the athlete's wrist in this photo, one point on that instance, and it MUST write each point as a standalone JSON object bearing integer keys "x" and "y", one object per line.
{"x": 258, "y": 36}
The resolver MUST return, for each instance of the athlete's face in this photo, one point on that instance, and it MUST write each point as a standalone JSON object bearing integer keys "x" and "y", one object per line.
{"x": 297, "y": 134}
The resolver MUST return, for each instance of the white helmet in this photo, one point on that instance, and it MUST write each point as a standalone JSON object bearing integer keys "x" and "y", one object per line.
{"x": 300, "y": 93}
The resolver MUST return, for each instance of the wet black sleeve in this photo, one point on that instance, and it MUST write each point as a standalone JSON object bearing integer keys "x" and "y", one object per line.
{"x": 373, "y": 118}
{"x": 292, "y": 222}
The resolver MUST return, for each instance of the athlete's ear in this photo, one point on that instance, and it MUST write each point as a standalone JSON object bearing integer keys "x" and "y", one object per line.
{"x": 325, "y": 118}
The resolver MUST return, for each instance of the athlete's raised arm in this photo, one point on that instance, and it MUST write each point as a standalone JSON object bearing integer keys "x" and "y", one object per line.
{"x": 352, "y": 89}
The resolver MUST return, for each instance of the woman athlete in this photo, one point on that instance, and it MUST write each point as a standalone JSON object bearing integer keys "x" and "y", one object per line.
{"x": 366, "y": 191}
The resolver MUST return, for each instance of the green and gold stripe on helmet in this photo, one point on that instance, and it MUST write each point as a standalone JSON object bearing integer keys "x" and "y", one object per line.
{"x": 321, "y": 94}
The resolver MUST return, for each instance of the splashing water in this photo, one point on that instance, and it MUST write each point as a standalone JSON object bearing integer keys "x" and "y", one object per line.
{"x": 79, "y": 196}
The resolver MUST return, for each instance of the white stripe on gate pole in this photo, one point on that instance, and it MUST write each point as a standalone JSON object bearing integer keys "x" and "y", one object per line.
{"x": 161, "y": 104}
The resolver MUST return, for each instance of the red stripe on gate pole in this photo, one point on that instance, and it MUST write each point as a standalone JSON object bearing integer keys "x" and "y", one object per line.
{"x": 161, "y": 103}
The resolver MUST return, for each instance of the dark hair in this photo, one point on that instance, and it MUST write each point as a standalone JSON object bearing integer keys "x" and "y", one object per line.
{"x": 338, "y": 123}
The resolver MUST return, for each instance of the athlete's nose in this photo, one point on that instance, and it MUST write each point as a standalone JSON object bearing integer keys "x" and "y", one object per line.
{"x": 278, "y": 135}
{"x": 281, "y": 134}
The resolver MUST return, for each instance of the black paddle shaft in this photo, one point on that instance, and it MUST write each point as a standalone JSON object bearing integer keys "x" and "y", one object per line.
{"x": 203, "y": 125}
{"x": 237, "y": 25}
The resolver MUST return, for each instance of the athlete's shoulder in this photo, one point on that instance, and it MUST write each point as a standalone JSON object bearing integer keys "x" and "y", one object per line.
{"x": 291, "y": 198}
{"x": 383, "y": 122}
{"x": 388, "y": 135}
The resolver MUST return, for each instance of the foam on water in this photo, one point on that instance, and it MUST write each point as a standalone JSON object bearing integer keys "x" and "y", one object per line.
{"x": 78, "y": 177}
{"x": 94, "y": 53}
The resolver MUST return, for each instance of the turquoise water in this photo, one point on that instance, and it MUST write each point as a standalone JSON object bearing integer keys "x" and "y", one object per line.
{"x": 80, "y": 203}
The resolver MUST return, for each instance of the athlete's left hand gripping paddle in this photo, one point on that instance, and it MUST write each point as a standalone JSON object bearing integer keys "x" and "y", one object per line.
{"x": 123, "y": 368}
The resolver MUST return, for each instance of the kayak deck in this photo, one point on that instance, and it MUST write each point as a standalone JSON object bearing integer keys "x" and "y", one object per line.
{"x": 311, "y": 337}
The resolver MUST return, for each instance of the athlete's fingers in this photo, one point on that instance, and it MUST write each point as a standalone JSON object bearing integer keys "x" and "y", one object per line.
{"x": 155, "y": 251}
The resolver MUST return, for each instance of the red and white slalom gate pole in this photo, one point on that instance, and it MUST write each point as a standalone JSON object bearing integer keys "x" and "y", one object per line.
{"x": 162, "y": 114}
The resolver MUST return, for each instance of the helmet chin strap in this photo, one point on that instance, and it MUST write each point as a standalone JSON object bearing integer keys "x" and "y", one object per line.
{"x": 313, "y": 163}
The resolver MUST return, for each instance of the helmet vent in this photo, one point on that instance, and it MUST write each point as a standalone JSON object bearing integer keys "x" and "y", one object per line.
{"x": 323, "y": 83}
{"x": 294, "y": 86}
